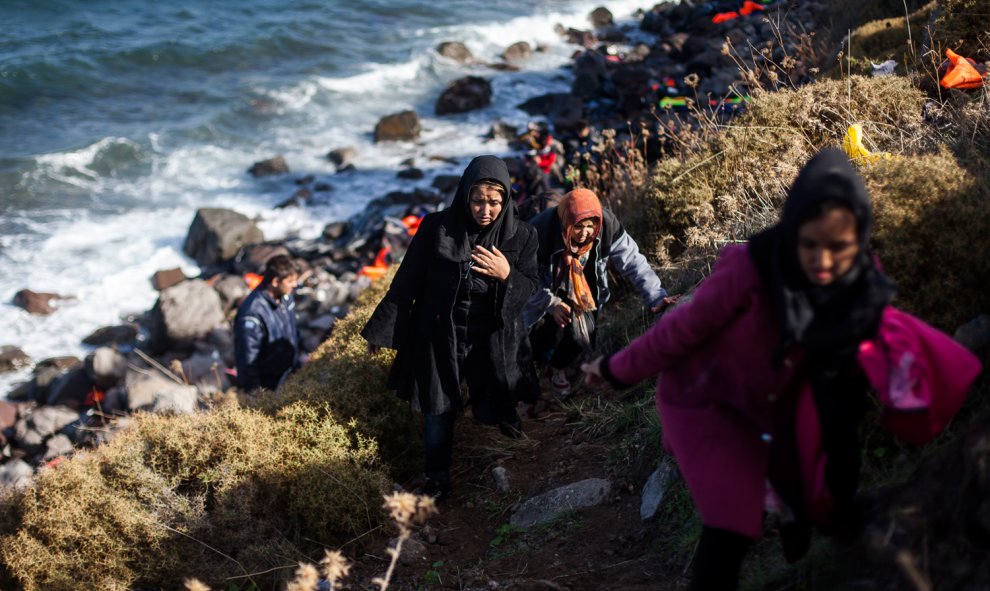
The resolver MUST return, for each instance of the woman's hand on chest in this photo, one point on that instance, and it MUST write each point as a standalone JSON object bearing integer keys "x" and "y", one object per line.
{"x": 491, "y": 263}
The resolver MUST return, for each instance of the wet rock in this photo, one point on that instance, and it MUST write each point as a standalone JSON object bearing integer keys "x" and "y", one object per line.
{"x": 252, "y": 259}
{"x": 401, "y": 126}
{"x": 322, "y": 187}
{"x": 501, "y": 131}
{"x": 272, "y": 166}
{"x": 308, "y": 179}
{"x": 579, "y": 37}
{"x": 232, "y": 289}
{"x": 166, "y": 278}
{"x": 413, "y": 174}
{"x": 342, "y": 156}
{"x": 17, "y": 474}
{"x": 106, "y": 367}
{"x": 601, "y": 17}
{"x": 184, "y": 313}
{"x": 334, "y": 230}
{"x": 465, "y": 94}
{"x": 655, "y": 489}
{"x": 36, "y": 302}
{"x": 216, "y": 235}
{"x": 518, "y": 51}
{"x": 457, "y": 51}
{"x": 20, "y": 392}
{"x": 590, "y": 73}
{"x": 70, "y": 389}
{"x": 503, "y": 67}
{"x": 545, "y": 507}
{"x": 120, "y": 334}
{"x": 563, "y": 109}
{"x": 47, "y": 371}
{"x": 298, "y": 199}
{"x": 57, "y": 446}
{"x": 13, "y": 358}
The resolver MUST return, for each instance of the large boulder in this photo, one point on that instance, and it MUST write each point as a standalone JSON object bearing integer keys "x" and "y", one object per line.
{"x": 216, "y": 235}
{"x": 342, "y": 156}
{"x": 252, "y": 259}
{"x": 547, "y": 506}
{"x": 272, "y": 166}
{"x": 207, "y": 372}
{"x": 232, "y": 289}
{"x": 12, "y": 358}
{"x": 44, "y": 422}
{"x": 184, "y": 313}
{"x": 465, "y": 94}
{"x": 457, "y": 51}
{"x": 519, "y": 50}
{"x": 401, "y": 126}
{"x": 589, "y": 74}
{"x": 17, "y": 474}
{"x": 36, "y": 302}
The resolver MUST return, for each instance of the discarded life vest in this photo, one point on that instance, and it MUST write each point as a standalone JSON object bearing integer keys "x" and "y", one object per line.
{"x": 748, "y": 8}
{"x": 852, "y": 145}
{"x": 412, "y": 222}
{"x": 253, "y": 280}
{"x": 962, "y": 72}
{"x": 377, "y": 269}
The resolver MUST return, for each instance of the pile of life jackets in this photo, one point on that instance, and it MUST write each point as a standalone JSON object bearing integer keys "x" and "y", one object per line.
{"x": 748, "y": 8}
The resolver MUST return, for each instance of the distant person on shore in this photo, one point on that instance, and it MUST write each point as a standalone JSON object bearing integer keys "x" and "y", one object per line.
{"x": 579, "y": 241}
{"x": 453, "y": 314}
{"x": 764, "y": 374}
{"x": 266, "y": 339}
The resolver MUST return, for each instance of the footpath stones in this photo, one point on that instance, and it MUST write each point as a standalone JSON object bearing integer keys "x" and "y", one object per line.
{"x": 547, "y": 506}
{"x": 655, "y": 489}
{"x": 216, "y": 235}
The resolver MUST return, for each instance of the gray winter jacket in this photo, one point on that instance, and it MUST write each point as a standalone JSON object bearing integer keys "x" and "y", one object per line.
{"x": 613, "y": 246}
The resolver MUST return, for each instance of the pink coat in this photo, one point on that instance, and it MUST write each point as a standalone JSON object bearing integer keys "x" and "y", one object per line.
{"x": 717, "y": 386}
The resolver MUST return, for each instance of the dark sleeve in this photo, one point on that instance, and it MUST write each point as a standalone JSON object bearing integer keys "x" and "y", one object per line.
{"x": 609, "y": 376}
{"x": 391, "y": 319}
{"x": 522, "y": 280}
{"x": 249, "y": 336}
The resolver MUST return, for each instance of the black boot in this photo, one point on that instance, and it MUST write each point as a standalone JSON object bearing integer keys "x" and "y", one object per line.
{"x": 718, "y": 560}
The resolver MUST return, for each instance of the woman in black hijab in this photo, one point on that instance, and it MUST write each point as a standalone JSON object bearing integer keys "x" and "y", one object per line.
{"x": 453, "y": 313}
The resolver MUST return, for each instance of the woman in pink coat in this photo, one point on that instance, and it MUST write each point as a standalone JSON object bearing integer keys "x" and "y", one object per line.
{"x": 761, "y": 375}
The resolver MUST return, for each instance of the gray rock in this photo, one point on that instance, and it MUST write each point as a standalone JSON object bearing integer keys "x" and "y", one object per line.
{"x": 401, "y": 126}
{"x": 413, "y": 551}
{"x": 272, "y": 166}
{"x": 16, "y": 473}
{"x": 181, "y": 400}
{"x": 342, "y": 156}
{"x": 412, "y": 174}
{"x": 106, "y": 367}
{"x": 206, "y": 372}
{"x": 252, "y": 259}
{"x": 46, "y": 421}
{"x": 464, "y": 94}
{"x": 445, "y": 183}
{"x": 144, "y": 388}
{"x": 59, "y": 445}
{"x": 655, "y": 489}
{"x": 323, "y": 322}
{"x": 519, "y": 50}
{"x": 232, "y": 289}
{"x": 501, "y": 478}
{"x": 184, "y": 313}
{"x": 216, "y": 235}
{"x": 120, "y": 334}
{"x": 13, "y": 358}
{"x": 501, "y": 131}
{"x": 547, "y": 506}
{"x": 456, "y": 51}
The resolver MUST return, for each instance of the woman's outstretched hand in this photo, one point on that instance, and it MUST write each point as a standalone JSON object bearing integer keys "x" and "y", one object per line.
{"x": 593, "y": 373}
{"x": 490, "y": 262}
{"x": 665, "y": 303}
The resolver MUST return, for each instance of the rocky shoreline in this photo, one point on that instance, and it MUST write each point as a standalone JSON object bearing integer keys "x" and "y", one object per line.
{"x": 177, "y": 357}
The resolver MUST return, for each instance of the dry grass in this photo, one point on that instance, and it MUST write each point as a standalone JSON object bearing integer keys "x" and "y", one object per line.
{"x": 889, "y": 38}
{"x": 342, "y": 376}
{"x": 962, "y": 26}
{"x": 212, "y": 495}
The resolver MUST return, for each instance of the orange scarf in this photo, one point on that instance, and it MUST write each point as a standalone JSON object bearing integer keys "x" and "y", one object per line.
{"x": 574, "y": 208}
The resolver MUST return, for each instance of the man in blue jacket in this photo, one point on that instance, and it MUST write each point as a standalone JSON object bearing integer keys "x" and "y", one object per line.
{"x": 266, "y": 340}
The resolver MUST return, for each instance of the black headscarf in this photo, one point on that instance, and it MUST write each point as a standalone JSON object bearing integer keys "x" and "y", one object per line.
{"x": 459, "y": 233}
{"x": 828, "y": 321}
{"x": 835, "y": 316}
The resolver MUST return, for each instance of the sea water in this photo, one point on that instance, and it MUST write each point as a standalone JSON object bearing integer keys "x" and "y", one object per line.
{"x": 119, "y": 118}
